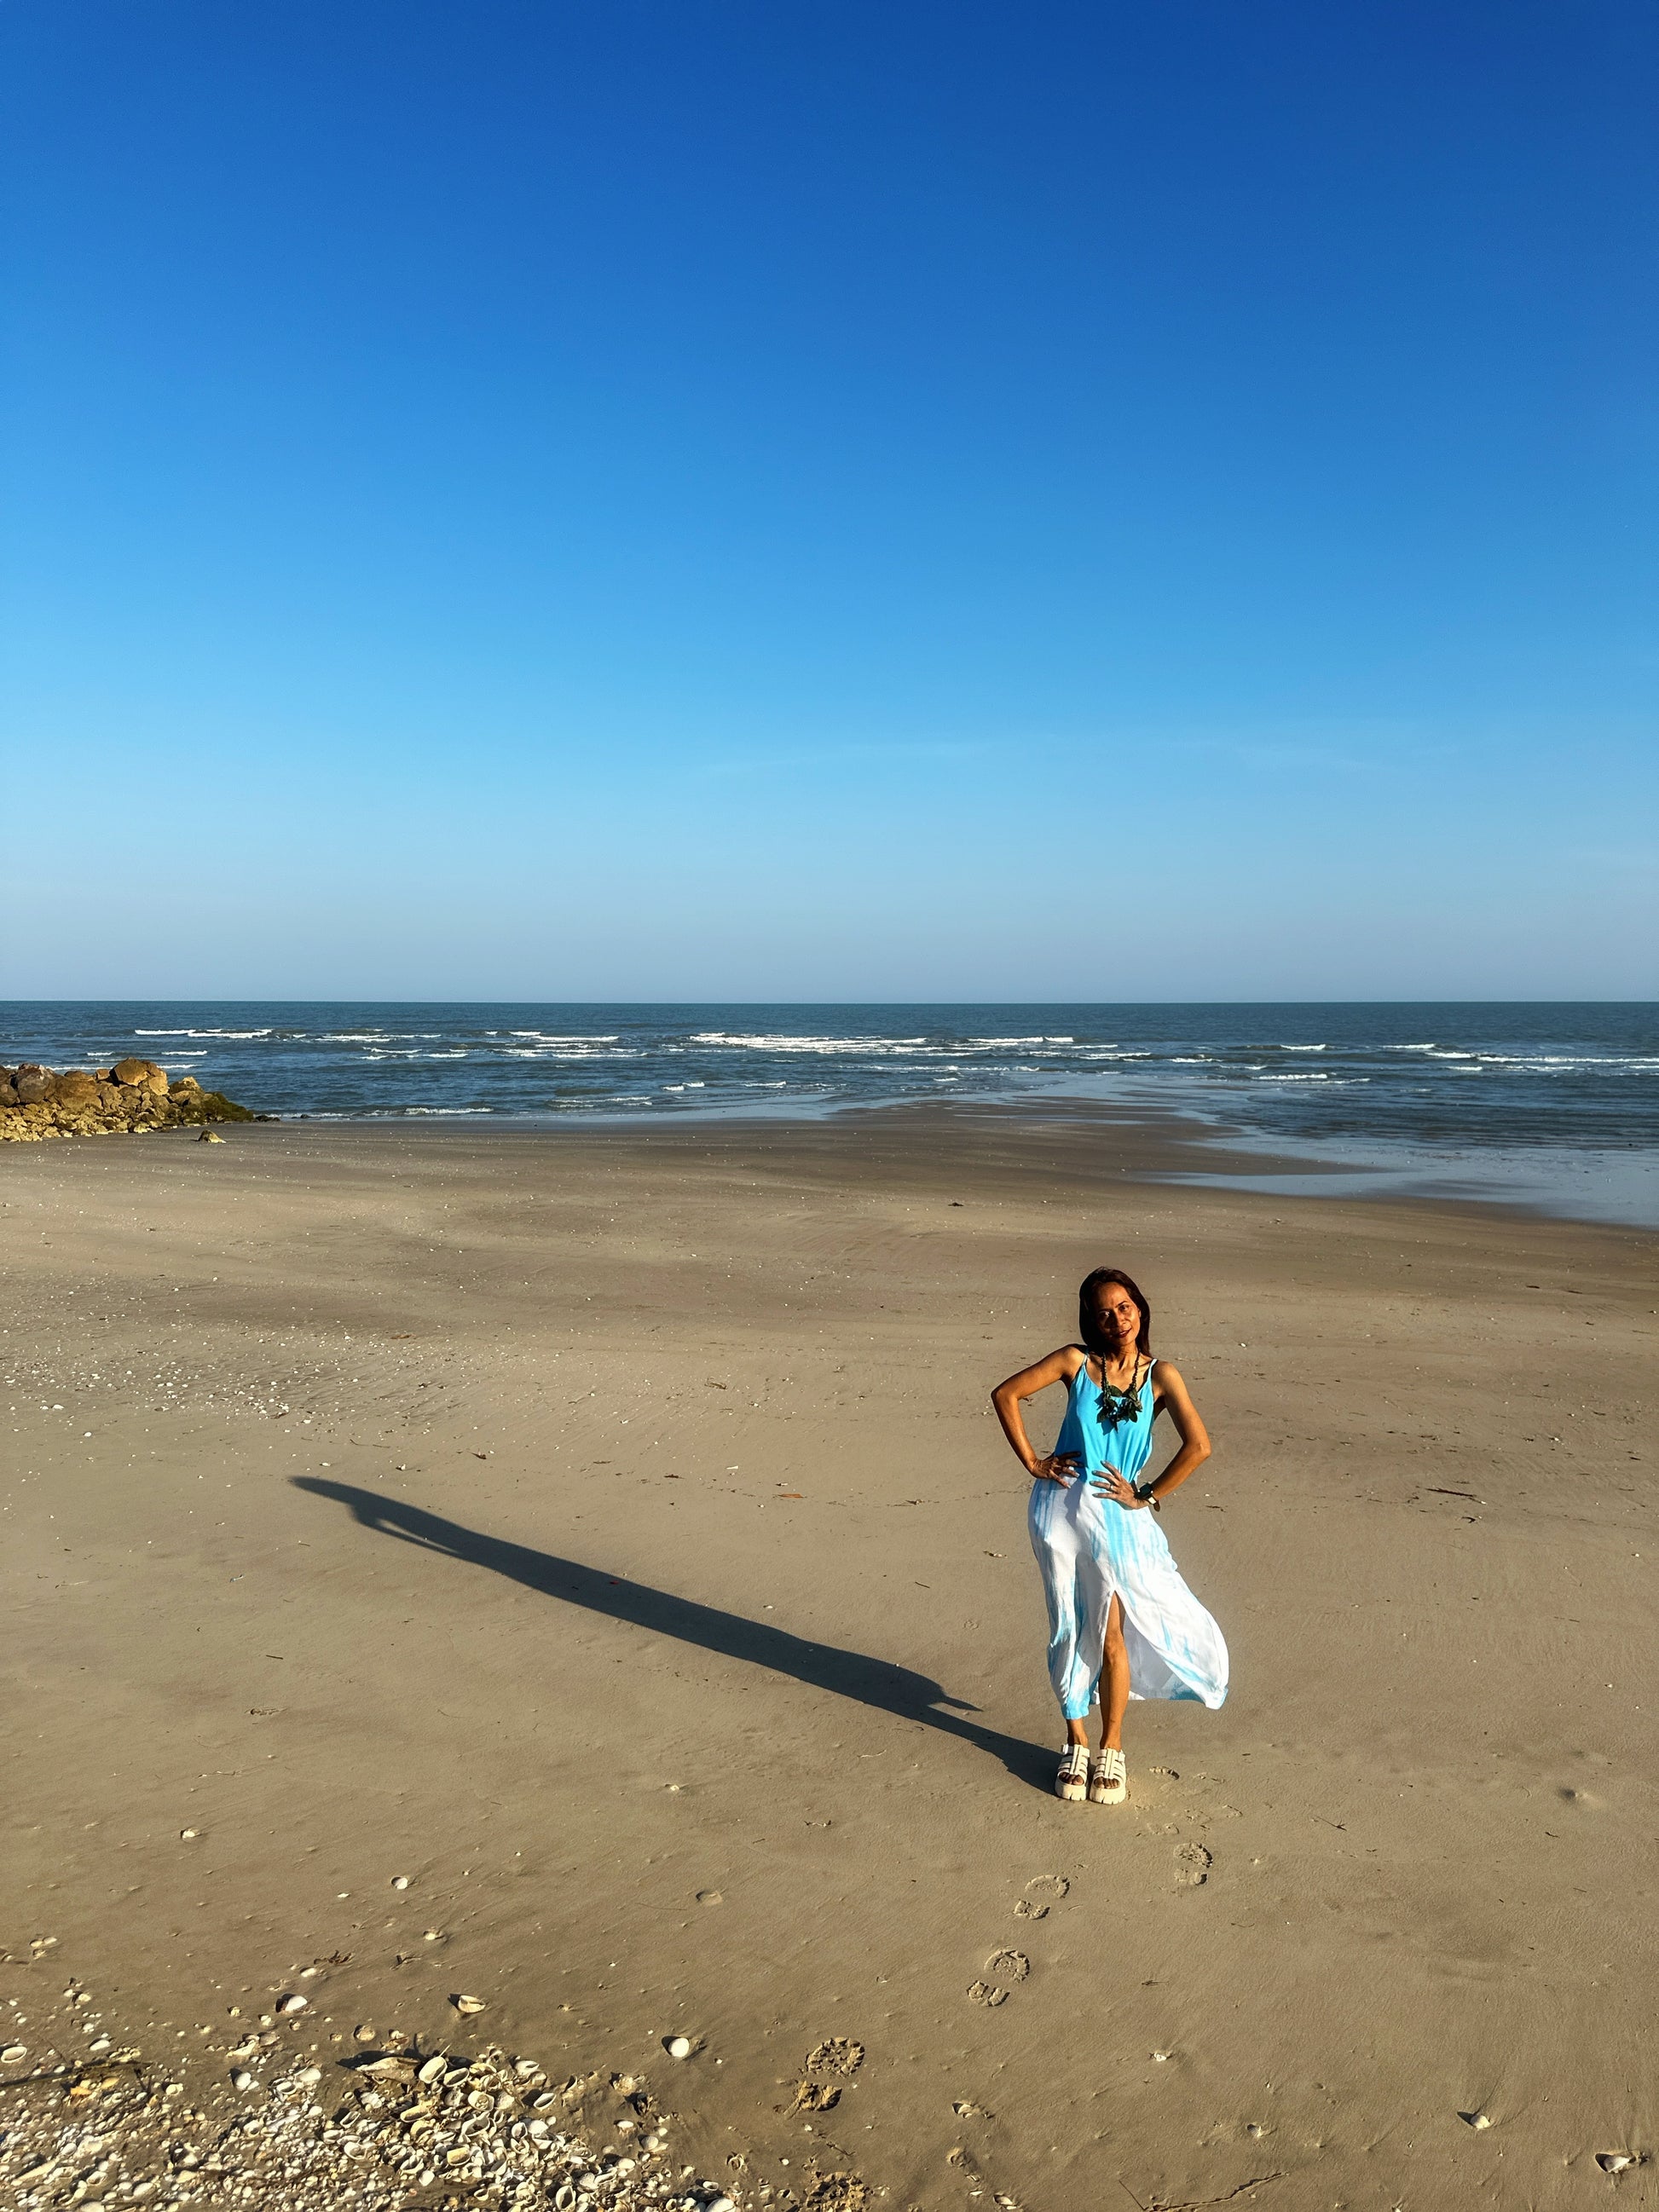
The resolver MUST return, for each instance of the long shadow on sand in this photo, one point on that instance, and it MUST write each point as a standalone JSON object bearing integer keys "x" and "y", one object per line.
{"x": 875, "y": 1682}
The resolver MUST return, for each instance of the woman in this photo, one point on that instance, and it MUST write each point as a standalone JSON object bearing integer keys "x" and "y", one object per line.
{"x": 1121, "y": 1623}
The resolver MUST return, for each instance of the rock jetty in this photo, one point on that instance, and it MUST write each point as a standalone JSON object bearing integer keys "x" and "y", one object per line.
{"x": 129, "y": 1099}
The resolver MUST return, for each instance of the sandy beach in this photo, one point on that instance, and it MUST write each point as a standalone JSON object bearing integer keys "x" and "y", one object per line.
{"x": 608, "y": 1535}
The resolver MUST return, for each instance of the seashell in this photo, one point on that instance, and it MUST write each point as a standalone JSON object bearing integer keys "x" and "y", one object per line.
{"x": 187, "y": 1835}
{"x": 12, "y": 2053}
{"x": 539, "y": 2129}
{"x": 563, "y": 2198}
{"x": 243, "y": 2080}
{"x": 292, "y": 2004}
{"x": 720, "y": 2204}
{"x": 309, "y": 2074}
{"x": 1615, "y": 2161}
{"x": 526, "y": 2069}
{"x": 363, "y": 2033}
{"x": 431, "y": 1935}
{"x": 400, "y": 1881}
{"x": 545, "y": 2102}
{"x": 709, "y": 1897}
{"x": 678, "y": 2046}
{"x": 433, "y": 2068}
{"x": 467, "y": 2004}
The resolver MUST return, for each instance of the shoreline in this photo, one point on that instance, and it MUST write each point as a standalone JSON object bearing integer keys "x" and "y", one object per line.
{"x": 608, "y": 1533}
{"x": 1174, "y": 1150}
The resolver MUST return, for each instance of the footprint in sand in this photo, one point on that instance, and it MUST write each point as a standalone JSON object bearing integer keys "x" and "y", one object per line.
{"x": 1010, "y": 1969}
{"x": 816, "y": 2097}
{"x": 839, "y": 2055}
{"x": 1040, "y": 1887}
{"x": 1193, "y": 1864}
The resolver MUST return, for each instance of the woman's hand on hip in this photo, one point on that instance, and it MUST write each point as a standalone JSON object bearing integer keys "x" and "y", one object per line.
{"x": 1111, "y": 1482}
{"x": 1059, "y": 1467}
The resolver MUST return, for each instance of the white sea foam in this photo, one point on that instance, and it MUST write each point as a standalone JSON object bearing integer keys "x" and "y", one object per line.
{"x": 815, "y": 1044}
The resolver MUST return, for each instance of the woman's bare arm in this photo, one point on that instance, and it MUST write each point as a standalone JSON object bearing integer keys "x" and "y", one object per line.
{"x": 1008, "y": 1397}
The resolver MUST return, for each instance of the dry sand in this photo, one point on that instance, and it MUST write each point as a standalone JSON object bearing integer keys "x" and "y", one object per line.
{"x": 609, "y": 1534}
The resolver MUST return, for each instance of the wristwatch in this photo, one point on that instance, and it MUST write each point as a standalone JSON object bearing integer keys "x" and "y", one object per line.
{"x": 1144, "y": 1492}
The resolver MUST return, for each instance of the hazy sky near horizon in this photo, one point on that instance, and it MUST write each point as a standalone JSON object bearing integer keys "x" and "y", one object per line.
{"x": 728, "y": 500}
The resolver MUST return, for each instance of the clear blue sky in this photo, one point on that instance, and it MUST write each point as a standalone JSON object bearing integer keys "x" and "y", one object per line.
{"x": 807, "y": 499}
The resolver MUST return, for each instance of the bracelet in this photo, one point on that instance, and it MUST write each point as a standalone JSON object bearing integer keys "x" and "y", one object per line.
{"x": 1146, "y": 1494}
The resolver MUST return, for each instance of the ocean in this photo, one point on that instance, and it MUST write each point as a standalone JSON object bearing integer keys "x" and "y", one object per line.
{"x": 1549, "y": 1105}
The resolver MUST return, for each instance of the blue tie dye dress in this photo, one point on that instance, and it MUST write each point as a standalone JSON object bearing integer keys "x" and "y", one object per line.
{"x": 1090, "y": 1550}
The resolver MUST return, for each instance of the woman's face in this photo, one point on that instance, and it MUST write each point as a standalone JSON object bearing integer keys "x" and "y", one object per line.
{"x": 1119, "y": 1316}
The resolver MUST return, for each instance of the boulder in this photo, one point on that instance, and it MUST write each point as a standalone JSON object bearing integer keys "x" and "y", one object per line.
{"x": 186, "y": 1083}
{"x": 8, "y": 1092}
{"x": 137, "y": 1072}
{"x": 76, "y": 1088}
{"x": 34, "y": 1085}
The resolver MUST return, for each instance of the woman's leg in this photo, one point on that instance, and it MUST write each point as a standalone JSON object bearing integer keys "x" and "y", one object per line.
{"x": 1094, "y": 1599}
{"x": 1064, "y": 1563}
{"x": 1113, "y": 1680}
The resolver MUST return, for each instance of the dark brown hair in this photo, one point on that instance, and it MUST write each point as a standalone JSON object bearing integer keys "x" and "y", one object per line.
{"x": 1088, "y": 1321}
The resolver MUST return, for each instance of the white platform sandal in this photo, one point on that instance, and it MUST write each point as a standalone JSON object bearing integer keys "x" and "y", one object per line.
{"x": 1108, "y": 1780}
{"x": 1072, "y": 1776}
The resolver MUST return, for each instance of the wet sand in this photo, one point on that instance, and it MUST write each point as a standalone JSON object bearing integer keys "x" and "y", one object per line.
{"x": 609, "y": 1532}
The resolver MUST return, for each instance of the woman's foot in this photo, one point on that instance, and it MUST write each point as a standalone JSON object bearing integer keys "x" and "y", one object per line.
{"x": 1108, "y": 1781}
{"x": 1072, "y": 1776}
